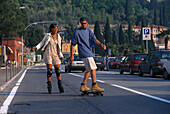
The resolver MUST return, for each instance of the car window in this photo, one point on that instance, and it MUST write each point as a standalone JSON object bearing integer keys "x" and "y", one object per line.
{"x": 165, "y": 56}
{"x": 111, "y": 59}
{"x": 140, "y": 57}
{"x": 99, "y": 59}
{"x": 117, "y": 59}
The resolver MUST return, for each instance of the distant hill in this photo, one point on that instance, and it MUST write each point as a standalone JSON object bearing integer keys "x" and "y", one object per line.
{"x": 69, "y": 11}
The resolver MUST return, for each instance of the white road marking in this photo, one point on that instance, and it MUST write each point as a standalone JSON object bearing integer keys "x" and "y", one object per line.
{"x": 128, "y": 89}
{"x": 4, "y": 108}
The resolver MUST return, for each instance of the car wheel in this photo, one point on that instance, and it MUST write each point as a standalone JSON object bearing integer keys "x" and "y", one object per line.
{"x": 120, "y": 70}
{"x": 166, "y": 75}
{"x": 140, "y": 72}
{"x": 152, "y": 74}
{"x": 130, "y": 71}
{"x": 65, "y": 70}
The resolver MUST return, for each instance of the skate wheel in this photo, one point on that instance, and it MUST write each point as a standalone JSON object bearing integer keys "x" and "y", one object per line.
{"x": 101, "y": 94}
{"x": 82, "y": 94}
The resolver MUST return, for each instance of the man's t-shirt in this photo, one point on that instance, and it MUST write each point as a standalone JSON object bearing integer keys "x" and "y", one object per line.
{"x": 85, "y": 39}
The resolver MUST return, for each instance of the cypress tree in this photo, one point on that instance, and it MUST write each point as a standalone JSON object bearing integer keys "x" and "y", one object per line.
{"x": 115, "y": 38}
{"x": 130, "y": 37}
{"x": 128, "y": 9}
{"x": 98, "y": 34}
{"x": 155, "y": 16}
{"x": 160, "y": 16}
{"x": 164, "y": 15}
{"x": 121, "y": 36}
{"x": 107, "y": 32}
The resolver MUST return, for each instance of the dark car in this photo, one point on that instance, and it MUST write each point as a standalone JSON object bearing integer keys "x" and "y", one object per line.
{"x": 76, "y": 65}
{"x": 131, "y": 63}
{"x": 153, "y": 63}
{"x": 100, "y": 63}
{"x": 116, "y": 62}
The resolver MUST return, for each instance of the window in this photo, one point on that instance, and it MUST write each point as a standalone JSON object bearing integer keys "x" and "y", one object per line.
{"x": 165, "y": 55}
{"x": 139, "y": 57}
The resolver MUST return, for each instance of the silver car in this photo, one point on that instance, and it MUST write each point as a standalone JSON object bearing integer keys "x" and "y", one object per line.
{"x": 76, "y": 65}
{"x": 166, "y": 73}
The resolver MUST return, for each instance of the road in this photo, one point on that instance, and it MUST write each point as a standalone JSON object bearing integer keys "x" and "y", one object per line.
{"x": 124, "y": 94}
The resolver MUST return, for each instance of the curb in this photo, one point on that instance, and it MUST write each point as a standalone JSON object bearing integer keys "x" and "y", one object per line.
{"x": 6, "y": 84}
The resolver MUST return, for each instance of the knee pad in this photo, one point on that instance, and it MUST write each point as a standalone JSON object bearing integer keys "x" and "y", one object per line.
{"x": 49, "y": 72}
{"x": 57, "y": 71}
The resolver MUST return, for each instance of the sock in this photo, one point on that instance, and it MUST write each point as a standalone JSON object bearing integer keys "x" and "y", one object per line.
{"x": 94, "y": 83}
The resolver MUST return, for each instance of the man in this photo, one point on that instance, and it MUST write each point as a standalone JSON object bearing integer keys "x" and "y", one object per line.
{"x": 85, "y": 38}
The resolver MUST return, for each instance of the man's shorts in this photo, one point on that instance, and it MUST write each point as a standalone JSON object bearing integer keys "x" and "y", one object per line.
{"x": 89, "y": 64}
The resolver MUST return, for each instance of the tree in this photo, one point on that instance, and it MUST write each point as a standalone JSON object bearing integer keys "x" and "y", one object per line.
{"x": 99, "y": 36}
{"x": 121, "y": 36}
{"x": 107, "y": 32}
{"x": 164, "y": 34}
{"x": 160, "y": 16}
{"x": 128, "y": 10}
{"x": 130, "y": 37}
{"x": 34, "y": 35}
{"x": 115, "y": 38}
{"x": 12, "y": 20}
{"x": 155, "y": 16}
{"x": 164, "y": 14}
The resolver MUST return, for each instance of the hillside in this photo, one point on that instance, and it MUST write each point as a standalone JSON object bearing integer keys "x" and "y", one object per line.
{"x": 69, "y": 11}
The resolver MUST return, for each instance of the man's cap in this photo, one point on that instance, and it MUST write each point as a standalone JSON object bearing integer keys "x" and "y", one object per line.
{"x": 83, "y": 19}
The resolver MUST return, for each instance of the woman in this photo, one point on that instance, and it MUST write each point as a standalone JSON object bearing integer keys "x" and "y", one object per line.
{"x": 51, "y": 43}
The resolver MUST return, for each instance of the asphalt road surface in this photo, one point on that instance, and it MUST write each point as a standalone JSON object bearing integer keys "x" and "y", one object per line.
{"x": 124, "y": 94}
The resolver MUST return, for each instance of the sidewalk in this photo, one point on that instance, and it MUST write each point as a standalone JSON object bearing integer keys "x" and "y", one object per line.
{"x": 6, "y": 76}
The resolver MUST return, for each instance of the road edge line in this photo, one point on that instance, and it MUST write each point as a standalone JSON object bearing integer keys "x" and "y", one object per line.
{"x": 7, "y": 83}
{"x": 6, "y": 103}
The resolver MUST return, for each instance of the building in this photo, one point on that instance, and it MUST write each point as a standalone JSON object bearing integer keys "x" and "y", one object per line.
{"x": 14, "y": 52}
{"x": 155, "y": 30}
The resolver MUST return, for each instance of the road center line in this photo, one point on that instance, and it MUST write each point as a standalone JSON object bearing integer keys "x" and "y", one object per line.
{"x": 128, "y": 89}
{"x": 4, "y": 108}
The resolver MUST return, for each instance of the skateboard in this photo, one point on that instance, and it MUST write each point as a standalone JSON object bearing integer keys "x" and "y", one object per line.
{"x": 91, "y": 92}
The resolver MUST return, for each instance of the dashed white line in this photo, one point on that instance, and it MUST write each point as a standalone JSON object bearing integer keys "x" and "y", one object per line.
{"x": 128, "y": 89}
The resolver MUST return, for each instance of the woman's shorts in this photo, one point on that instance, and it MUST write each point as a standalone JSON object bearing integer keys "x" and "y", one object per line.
{"x": 89, "y": 64}
{"x": 55, "y": 60}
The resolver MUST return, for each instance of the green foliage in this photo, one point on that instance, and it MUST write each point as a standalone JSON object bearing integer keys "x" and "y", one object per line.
{"x": 107, "y": 32}
{"x": 12, "y": 19}
{"x": 115, "y": 37}
{"x": 98, "y": 49}
{"x": 69, "y": 11}
{"x": 34, "y": 35}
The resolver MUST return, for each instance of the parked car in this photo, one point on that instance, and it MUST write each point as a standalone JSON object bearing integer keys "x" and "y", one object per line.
{"x": 116, "y": 62}
{"x": 154, "y": 62}
{"x": 100, "y": 63}
{"x": 131, "y": 63}
{"x": 65, "y": 61}
{"x": 166, "y": 73}
{"x": 76, "y": 65}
